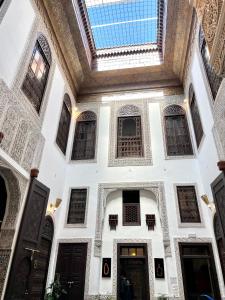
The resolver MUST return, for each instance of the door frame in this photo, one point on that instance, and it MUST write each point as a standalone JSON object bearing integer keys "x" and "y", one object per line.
{"x": 145, "y": 246}
{"x": 88, "y": 259}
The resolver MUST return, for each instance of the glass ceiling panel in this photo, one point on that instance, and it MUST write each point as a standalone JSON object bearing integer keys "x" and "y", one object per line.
{"x": 121, "y": 23}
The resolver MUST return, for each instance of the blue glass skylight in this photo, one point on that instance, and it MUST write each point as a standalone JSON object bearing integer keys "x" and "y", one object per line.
{"x": 121, "y": 23}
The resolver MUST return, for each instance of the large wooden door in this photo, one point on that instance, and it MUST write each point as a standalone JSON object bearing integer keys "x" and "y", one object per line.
{"x": 41, "y": 261}
{"x": 28, "y": 241}
{"x": 71, "y": 265}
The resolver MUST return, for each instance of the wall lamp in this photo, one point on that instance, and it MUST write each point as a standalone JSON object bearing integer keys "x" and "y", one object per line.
{"x": 52, "y": 207}
{"x": 211, "y": 205}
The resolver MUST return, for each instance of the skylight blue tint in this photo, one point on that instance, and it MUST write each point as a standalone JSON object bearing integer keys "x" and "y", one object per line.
{"x": 118, "y": 23}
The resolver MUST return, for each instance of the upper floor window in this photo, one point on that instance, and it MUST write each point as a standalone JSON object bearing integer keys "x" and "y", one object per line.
{"x": 37, "y": 74}
{"x": 85, "y": 137}
{"x": 177, "y": 135}
{"x": 131, "y": 208}
{"x": 129, "y": 135}
{"x": 77, "y": 207}
{"x": 196, "y": 120}
{"x": 1, "y": 2}
{"x": 213, "y": 79}
{"x": 64, "y": 124}
{"x": 3, "y": 201}
{"x": 188, "y": 204}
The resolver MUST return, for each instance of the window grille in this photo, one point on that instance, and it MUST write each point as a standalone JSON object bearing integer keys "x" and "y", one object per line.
{"x": 129, "y": 137}
{"x": 64, "y": 124}
{"x": 188, "y": 205}
{"x": 213, "y": 79}
{"x": 177, "y": 135}
{"x": 37, "y": 74}
{"x": 85, "y": 137}
{"x": 196, "y": 120}
{"x": 77, "y": 207}
{"x": 131, "y": 208}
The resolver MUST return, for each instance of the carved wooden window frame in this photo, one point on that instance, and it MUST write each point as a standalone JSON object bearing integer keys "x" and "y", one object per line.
{"x": 195, "y": 115}
{"x": 138, "y": 107}
{"x": 171, "y": 112}
{"x": 133, "y": 205}
{"x": 32, "y": 87}
{"x": 211, "y": 76}
{"x": 89, "y": 118}
{"x": 64, "y": 124}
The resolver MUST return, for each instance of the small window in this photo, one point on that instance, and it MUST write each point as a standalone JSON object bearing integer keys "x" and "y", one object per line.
{"x": 131, "y": 208}
{"x": 37, "y": 74}
{"x": 188, "y": 205}
{"x": 129, "y": 137}
{"x": 177, "y": 135}
{"x": 85, "y": 137}
{"x": 64, "y": 124}
{"x": 196, "y": 120}
{"x": 77, "y": 207}
{"x": 213, "y": 79}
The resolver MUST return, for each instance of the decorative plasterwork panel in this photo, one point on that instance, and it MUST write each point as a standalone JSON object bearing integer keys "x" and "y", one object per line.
{"x": 157, "y": 188}
{"x": 92, "y": 107}
{"x": 150, "y": 263}
{"x": 118, "y": 108}
{"x": 178, "y": 262}
{"x": 88, "y": 260}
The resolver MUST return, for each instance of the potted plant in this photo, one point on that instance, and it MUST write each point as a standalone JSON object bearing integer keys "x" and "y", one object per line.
{"x": 55, "y": 290}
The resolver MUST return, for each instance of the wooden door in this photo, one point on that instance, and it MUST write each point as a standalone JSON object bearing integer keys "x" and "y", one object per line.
{"x": 71, "y": 265}
{"x": 41, "y": 262}
{"x": 28, "y": 242}
{"x": 220, "y": 244}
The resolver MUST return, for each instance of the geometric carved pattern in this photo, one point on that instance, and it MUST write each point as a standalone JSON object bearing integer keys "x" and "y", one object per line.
{"x": 129, "y": 110}
{"x": 87, "y": 116}
{"x": 77, "y": 207}
{"x": 45, "y": 48}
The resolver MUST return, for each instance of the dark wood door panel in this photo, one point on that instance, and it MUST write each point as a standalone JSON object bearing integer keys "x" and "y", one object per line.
{"x": 71, "y": 265}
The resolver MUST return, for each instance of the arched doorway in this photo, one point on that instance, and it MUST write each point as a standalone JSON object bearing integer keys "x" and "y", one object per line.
{"x": 3, "y": 197}
{"x": 41, "y": 261}
{"x": 220, "y": 243}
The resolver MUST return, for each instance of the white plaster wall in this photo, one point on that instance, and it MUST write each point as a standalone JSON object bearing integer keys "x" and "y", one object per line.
{"x": 13, "y": 37}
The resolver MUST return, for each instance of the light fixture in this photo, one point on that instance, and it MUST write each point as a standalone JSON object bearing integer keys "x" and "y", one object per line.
{"x": 211, "y": 205}
{"x": 53, "y": 207}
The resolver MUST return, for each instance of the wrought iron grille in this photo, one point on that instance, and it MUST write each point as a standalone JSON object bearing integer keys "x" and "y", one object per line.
{"x": 84, "y": 140}
{"x": 196, "y": 120}
{"x": 188, "y": 205}
{"x": 64, "y": 125}
{"x": 129, "y": 137}
{"x": 213, "y": 79}
{"x": 36, "y": 78}
{"x": 177, "y": 135}
{"x": 77, "y": 207}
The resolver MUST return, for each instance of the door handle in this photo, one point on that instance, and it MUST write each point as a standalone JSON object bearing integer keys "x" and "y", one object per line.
{"x": 70, "y": 283}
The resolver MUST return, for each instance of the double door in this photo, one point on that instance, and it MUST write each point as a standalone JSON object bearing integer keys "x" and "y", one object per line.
{"x": 71, "y": 266}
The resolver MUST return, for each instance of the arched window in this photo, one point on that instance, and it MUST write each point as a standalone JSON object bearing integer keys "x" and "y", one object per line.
{"x": 85, "y": 136}
{"x": 3, "y": 196}
{"x": 196, "y": 120}
{"x": 129, "y": 133}
{"x": 64, "y": 124}
{"x": 213, "y": 79}
{"x": 177, "y": 135}
{"x": 37, "y": 74}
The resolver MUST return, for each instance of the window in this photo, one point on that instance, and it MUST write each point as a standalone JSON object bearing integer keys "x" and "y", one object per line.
{"x": 131, "y": 208}
{"x": 196, "y": 120}
{"x": 129, "y": 137}
{"x": 213, "y": 79}
{"x": 3, "y": 193}
{"x": 37, "y": 74}
{"x": 177, "y": 135}
{"x": 77, "y": 208}
{"x": 64, "y": 124}
{"x": 1, "y": 2}
{"x": 188, "y": 205}
{"x": 85, "y": 136}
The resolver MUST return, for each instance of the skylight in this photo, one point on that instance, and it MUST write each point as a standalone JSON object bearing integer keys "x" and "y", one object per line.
{"x": 122, "y": 23}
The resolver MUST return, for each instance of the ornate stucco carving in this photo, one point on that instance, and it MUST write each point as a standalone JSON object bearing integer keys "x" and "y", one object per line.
{"x": 157, "y": 188}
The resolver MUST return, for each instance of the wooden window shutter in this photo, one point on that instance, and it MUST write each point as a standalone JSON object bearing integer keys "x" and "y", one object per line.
{"x": 77, "y": 207}
{"x": 188, "y": 205}
{"x": 131, "y": 208}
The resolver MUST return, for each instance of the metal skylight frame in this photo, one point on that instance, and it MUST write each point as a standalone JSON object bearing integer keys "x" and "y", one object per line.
{"x": 124, "y": 50}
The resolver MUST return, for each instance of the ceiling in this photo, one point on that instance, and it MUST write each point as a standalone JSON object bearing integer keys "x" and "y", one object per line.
{"x": 68, "y": 31}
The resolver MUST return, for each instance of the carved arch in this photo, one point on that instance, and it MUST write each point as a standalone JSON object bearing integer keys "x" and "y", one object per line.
{"x": 129, "y": 110}
{"x": 87, "y": 116}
